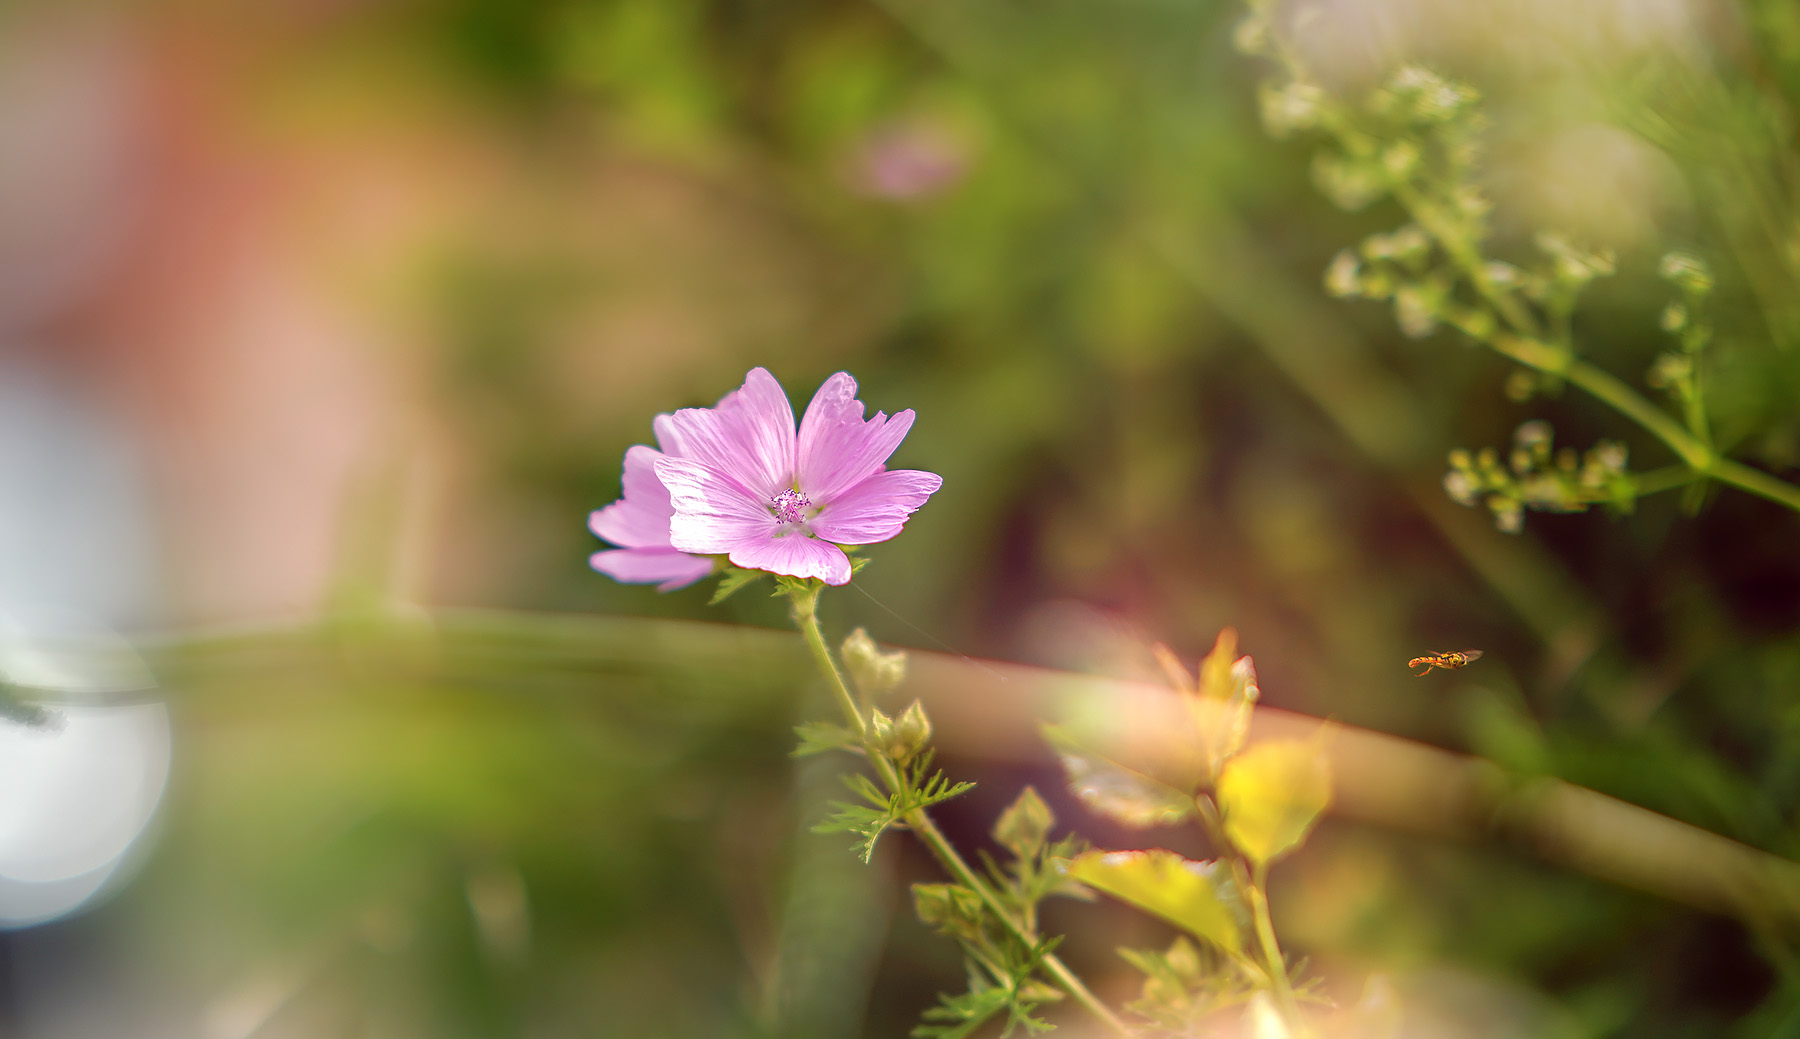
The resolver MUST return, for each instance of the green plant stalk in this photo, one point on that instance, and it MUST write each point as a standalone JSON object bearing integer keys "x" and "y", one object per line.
{"x": 1259, "y": 973}
{"x": 1271, "y": 949}
{"x": 805, "y": 609}
{"x": 1527, "y": 349}
{"x": 1656, "y": 481}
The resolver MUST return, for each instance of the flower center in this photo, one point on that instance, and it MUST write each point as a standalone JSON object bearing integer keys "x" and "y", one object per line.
{"x": 790, "y": 506}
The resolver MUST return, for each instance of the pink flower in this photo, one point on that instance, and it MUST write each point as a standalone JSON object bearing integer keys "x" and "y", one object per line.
{"x": 741, "y": 482}
{"x": 639, "y": 523}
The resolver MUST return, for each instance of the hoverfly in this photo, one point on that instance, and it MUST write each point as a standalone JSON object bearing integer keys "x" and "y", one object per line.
{"x": 1447, "y": 661}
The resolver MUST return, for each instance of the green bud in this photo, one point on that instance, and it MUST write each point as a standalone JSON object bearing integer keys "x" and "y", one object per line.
{"x": 1350, "y": 183}
{"x": 1341, "y": 277}
{"x": 1531, "y": 434}
{"x": 1509, "y": 514}
{"x": 951, "y": 908}
{"x": 881, "y": 728}
{"x": 1674, "y": 318}
{"x": 1415, "y": 311}
{"x": 909, "y": 733}
{"x": 1025, "y": 825}
{"x": 1252, "y": 35}
{"x": 874, "y": 672}
{"x": 1411, "y": 243}
{"x": 1499, "y": 274}
{"x": 1460, "y": 486}
{"x": 1400, "y": 159}
{"x": 1294, "y": 106}
{"x": 1688, "y": 271}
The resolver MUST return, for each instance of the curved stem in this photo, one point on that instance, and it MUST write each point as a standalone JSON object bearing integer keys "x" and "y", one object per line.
{"x": 1756, "y": 482}
{"x": 806, "y": 617}
{"x": 805, "y": 608}
{"x": 1527, "y": 348}
{"x": 1273, "y": 962}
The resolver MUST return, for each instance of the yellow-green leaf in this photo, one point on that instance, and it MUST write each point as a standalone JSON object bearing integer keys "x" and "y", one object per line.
{"x": 1271, "y": 794}
{"x": 1184, "y": 892}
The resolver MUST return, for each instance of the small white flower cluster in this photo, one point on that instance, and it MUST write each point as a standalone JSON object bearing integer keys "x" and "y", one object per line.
{"x": 1539, "y": 477}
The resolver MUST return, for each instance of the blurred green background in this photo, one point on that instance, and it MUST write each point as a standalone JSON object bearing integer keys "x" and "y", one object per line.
{"x": 378, "y": 293}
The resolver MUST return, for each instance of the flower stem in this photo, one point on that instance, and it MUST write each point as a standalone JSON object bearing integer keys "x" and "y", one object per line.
{"x": 805, "y": 609}
{"x": 1271, "y": 950}
{"x": 1526, "y": 346}
{"x": 806, "y": 617}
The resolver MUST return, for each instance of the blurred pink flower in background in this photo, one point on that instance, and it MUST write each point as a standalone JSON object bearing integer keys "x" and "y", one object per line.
{"x": 909, "y": 160}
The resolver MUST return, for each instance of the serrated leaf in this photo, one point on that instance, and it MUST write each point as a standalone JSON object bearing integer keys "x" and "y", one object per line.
{"x": 1025, "y": 824}
{"x": 1181, "y": 891}
{"x": 1272, "y": 794}
{"x": 964, "y": 1014}
{"x": 1119, "y": 793}
{"x": 884, "y": 810}
{"x": 734, "y": 579}
{"x": 820, "y": 737}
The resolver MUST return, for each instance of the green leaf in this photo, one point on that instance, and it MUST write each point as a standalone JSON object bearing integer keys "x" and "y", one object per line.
{"x": 963, "y": 1014}
{"x": 951, "y": 909}
{"x": 1186, "y": 893}
{"x": 1119, "y": 793}
{"x": 870, "y": 821}
{"x": 1272, "y": 794}
{"x": 820, "y": 737}
{"x": 734, "y": 579}
{"x": 1025, "y": 825}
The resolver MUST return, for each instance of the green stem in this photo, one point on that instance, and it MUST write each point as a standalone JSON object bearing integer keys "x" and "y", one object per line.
{"x": 1265, "y": 936}
{"x": 806, "y": 617}
{"x": 1756, "y": 482}
{"x": 805, "y": 609}
{"x": 1526, "y": 346}
{"x": 1656, "y": 481}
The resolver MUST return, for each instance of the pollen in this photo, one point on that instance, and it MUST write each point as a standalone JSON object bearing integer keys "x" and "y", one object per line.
{"x": 790, "y": 506}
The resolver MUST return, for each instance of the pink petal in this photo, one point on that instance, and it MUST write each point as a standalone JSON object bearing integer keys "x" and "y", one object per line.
{"x": 713, "y": 513}
{"x": 648, "y": 565}
{"x": 749, "y": 436}
{"x": 875, "y": 509}
{"x": 837, "y": 448}
{"x": 639, "y": 519}
{"x": 796, "y": 555}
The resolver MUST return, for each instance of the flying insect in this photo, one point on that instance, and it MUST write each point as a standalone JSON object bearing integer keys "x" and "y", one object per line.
{"x": 1447, "y": 661}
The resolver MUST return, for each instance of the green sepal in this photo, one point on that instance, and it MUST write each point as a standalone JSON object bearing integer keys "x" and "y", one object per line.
{"x": 732, "y": 580}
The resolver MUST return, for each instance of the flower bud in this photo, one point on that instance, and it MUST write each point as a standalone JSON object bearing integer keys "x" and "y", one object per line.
{"x": 873, "y": 671}
{"x": 1341, "y": 277}
{"x": 1687, "y": 271}
{"x": 909, "y": 734}
{"x": 1459, "y": 487}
